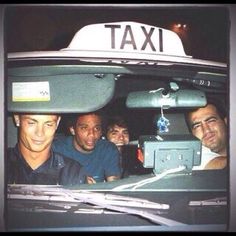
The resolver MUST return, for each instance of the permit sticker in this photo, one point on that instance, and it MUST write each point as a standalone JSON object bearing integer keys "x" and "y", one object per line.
{"x": 30, "y": 91}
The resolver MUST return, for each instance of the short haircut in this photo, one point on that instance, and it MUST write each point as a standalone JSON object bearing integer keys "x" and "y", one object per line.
{"x": 116, "y": 120}
{"x": 217, "y": 103}
{"x": 69, "y": 120}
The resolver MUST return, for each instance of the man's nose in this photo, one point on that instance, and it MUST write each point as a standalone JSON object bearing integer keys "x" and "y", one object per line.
{"x": 120, "y": 136}
{"x": 91, "y": 132}
{"x": 205, "y": 127}
{"x": 39, "y": 130}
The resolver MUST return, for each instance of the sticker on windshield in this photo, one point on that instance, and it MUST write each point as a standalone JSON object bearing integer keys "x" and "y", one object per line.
{"x": 30, "y": 91}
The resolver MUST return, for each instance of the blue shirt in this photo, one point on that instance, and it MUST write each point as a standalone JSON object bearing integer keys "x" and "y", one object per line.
{"x": 58, "y": 169}
{"x": 101, "y": 163}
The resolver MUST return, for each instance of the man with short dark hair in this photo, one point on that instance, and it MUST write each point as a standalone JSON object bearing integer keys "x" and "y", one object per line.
{"x": 117, "y": 132}
{"x": 32, "y": 160}
{"x": 209, "y": 124}
{"x": 99, "y": 157}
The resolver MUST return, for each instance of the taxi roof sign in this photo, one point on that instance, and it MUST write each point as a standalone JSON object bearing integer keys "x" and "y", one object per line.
{"x": 127, "y": 37}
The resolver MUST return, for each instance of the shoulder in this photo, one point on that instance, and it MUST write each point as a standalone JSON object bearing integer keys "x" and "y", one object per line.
{"x": 71, "y": 172}
{"x": 12, "y": 153}
{"x": 60, "y": 159}
{"x": 219, "y": 162}
{"x": 106, "y": 147}
{"x": 10, "y": 150}
{"x": 103, "y": 143}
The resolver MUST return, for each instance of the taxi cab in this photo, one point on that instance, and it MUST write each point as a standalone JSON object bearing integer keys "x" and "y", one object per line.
{"x": 142, "y": 72}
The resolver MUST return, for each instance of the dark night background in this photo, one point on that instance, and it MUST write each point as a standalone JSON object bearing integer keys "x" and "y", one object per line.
{"x": 51, "y": 27}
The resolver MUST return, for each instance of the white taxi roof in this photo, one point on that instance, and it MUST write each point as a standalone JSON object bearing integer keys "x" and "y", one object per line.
{"x": 127, "y": 37}
{"x": 123, "y": 43}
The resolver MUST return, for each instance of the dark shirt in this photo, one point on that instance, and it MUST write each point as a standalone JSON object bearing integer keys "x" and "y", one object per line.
{"x": 58, "y": 169}
{"x": 101, "y": 163}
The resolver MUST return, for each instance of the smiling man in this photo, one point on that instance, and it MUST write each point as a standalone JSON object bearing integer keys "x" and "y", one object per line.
{"x": 32, "y": 161}
{"x": 209, "y": 124}
{"x": 117, "y": 132}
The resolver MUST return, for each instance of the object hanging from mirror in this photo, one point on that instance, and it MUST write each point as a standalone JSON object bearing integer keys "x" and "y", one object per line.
{"x": 163, "y": 123}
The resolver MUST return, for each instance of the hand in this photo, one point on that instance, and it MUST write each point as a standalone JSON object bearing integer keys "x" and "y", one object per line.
{"x": 112, "y": 178}
{"x": 90, "y": 180}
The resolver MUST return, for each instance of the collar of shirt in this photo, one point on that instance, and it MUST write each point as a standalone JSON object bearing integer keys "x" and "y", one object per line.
{"x": 55, "y": 161}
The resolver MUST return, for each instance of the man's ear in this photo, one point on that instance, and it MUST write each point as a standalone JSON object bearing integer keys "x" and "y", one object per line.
{"x": 17, "y": 120}
{"x": 72, "y": 130}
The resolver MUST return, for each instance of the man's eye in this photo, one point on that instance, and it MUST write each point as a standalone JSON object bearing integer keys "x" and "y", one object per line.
{"x": 49, "y": 125}
{"x": 212, "y": 120}
{"x": 31, "y": 123}
{"x": 98, "y": 128}
{"x": 195, "y": 126}
{"x": 113, "y": 133}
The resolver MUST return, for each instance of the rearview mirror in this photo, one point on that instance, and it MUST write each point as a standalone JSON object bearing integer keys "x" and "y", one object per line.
{"x": 157, "y": 99}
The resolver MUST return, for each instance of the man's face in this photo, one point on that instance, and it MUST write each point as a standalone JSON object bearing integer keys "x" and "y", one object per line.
{"x": 87, "y": 132}
{"x": 118, "y": 135}
{"x": 36, "y": 132}
{"x": 207, "y": 125}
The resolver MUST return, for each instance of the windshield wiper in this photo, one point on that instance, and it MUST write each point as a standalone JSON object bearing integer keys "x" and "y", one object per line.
{"x": 109, "y": 201}
{"x": 220, "y": 201}
{"x": 60, "y": 194}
